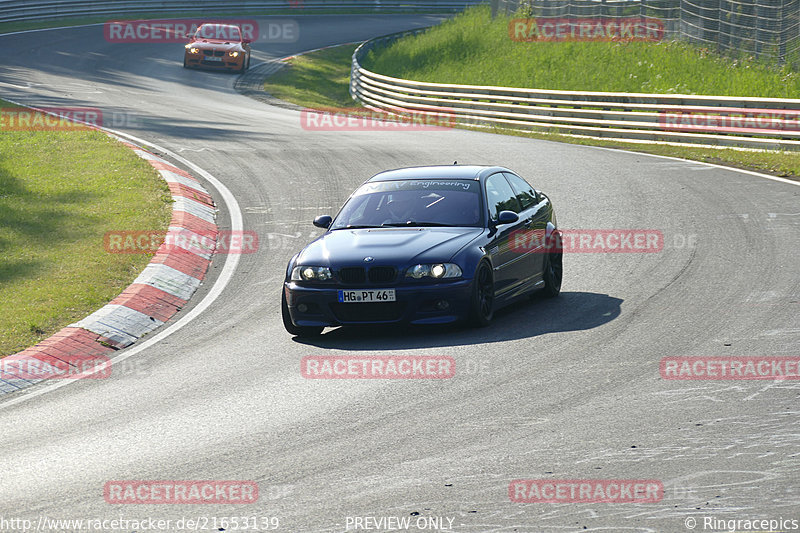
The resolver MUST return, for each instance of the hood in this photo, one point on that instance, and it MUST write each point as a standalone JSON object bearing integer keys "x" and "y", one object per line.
{"x": 389, "y": 246}
{"x": 214, "y": 44}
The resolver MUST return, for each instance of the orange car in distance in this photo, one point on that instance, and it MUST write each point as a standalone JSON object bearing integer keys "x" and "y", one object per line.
{"x": 218, "y": 46}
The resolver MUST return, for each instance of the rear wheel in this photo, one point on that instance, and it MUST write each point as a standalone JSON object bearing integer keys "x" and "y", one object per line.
{"x": 300, "y": 331}
{"x": 553, "y": 267}
{"x": 482, "y": 308}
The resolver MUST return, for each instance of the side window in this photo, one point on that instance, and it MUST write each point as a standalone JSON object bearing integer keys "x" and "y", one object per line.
{"x": 525, "y": 193}
{"x": 500, "y": 196}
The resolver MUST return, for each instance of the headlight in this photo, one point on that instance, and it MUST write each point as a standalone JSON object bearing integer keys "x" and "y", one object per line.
{"x": 233, "y": 54}
{"x": 436, "y": 270}
{"x": 311, "y": 273}
{"x": 193, "y": 49}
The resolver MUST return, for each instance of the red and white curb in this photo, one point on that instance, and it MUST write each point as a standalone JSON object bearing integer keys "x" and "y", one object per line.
{"x": 161, "y": 290}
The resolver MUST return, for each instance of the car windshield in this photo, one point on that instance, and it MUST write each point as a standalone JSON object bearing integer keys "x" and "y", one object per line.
{"x": 412, "y": 203}
{"x": 220, "y": 32}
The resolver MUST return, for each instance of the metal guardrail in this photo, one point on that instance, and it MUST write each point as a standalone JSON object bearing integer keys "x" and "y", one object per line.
{"x": 24, "y": 10}
{"x": 766, "y": 123}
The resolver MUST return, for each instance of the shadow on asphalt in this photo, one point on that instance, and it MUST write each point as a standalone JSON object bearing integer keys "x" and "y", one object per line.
{"x": 571, "y": 311}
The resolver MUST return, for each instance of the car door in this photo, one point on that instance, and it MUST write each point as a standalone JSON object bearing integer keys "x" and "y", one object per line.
{"x": 534, "y": 216}
{"x": 507, "y": 267}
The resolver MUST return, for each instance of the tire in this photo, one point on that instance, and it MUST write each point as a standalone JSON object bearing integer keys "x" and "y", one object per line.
{"x": 300, "y": 331}
{"x": 184, "y": 62}
{"x": 553, "y": 267}
{"x": 482, "y": 304}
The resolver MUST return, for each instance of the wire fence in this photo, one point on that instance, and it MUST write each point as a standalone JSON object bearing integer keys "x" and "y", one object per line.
{"x": 768, "y": 29}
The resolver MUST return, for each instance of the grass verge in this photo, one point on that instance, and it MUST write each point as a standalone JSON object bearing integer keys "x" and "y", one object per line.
{"x": 60, "y": 192}
{"x": 472, "y": 48}
{"x": 321, "y": 79}
{"x": 318, "y": 79}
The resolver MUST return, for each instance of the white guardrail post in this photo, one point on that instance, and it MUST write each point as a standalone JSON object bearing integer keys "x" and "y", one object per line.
{"x": 765, "y": 123}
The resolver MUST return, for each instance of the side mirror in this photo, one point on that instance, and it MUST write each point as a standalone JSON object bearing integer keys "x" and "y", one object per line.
{"x": 323, "y": 221}
{"x": 507, "y": 217}
{"x": 246, "y": 41}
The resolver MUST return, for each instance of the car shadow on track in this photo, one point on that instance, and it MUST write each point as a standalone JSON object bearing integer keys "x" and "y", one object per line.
{"x": 571, "y": 311}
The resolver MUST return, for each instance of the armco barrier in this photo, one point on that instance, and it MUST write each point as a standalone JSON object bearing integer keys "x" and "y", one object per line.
{"x": 766, "y": 123}
{"x": 21, "y": 10}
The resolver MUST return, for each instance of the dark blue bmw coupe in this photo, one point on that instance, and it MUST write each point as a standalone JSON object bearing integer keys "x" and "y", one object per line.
{"x": 424, "y": 245}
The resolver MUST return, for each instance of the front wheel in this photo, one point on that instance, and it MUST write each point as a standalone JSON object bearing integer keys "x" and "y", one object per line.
{"x": 553, "y": 267}
{"x": 482, "y": 308}
{"x": 300, "y": 331}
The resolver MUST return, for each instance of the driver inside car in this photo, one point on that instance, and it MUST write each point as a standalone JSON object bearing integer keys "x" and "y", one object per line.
{"x": 400, "y": 209}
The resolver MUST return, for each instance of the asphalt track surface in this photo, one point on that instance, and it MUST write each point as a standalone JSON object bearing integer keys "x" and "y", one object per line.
{"x": 563, "y": 389}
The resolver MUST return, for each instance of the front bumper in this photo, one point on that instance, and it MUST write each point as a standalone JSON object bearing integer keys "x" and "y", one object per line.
{"x": 227, "y": 63}
{"x": 415, "y": 304}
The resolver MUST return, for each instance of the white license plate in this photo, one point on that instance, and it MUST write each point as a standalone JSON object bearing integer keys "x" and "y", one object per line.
{"x": 366, "y": 295}
{"x": 212, "y": 58}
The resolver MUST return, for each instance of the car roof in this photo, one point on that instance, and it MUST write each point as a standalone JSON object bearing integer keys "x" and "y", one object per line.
{"x": 219, "y": 24}
{"x": 464, "y": 172}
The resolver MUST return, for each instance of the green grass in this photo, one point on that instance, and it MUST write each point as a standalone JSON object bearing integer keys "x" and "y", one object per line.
{"x": 316, "y": 76}
{"x": 473, "y": 49}
{"x": 318, "y": 79}
{"x": 60, "y": 192}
